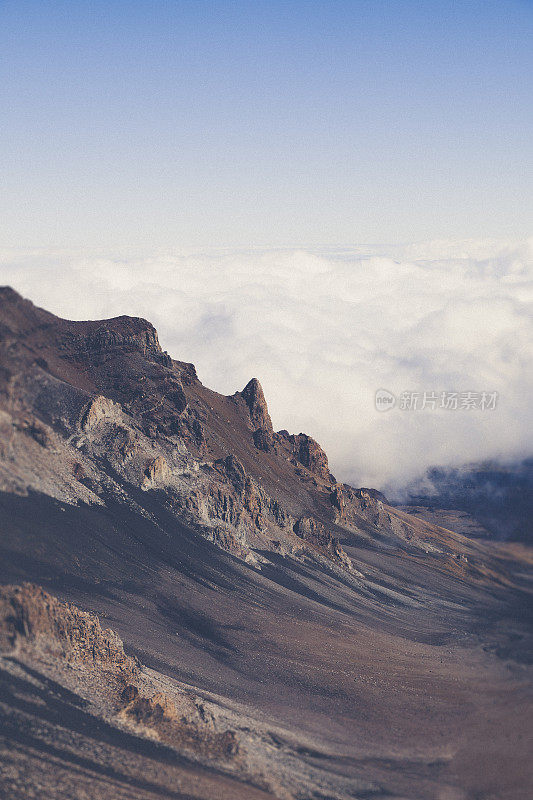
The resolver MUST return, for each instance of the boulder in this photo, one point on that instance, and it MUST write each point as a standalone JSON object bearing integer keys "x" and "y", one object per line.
{"x": 99, "y": 409}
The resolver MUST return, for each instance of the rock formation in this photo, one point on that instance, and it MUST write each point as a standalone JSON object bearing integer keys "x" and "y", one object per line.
{"x": 98, "y": 410}
{"x": 257, "y": 406}
{"x": 30, "y": 616}
{"x": 111, "y": 395}
{"x": 310, "y": 454}
{"x": 259, "y": 417}
{"x": 157, "y": 470}
{"x": 305, "y": 638}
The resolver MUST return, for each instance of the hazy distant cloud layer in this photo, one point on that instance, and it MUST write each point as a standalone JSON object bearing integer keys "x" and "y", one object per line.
{"x": 324, "y": 331}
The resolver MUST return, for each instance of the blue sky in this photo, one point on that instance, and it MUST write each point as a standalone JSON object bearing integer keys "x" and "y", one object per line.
{"x": 241, "y": 124}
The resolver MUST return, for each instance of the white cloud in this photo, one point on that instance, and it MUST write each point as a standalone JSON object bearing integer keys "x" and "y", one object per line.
{"x": 324, "y": 330}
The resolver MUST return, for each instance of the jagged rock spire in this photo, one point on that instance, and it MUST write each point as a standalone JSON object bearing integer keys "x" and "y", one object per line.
{"x": 257, "y": 405}
{"x": 254, "y": 398}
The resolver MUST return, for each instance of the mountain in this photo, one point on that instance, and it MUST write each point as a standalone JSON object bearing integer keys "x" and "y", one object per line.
{"x": 486, "y": 499}
{"x": 193, "y": 606}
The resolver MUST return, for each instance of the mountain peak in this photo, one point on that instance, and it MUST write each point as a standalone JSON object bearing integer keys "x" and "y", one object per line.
{"x": 257, "y": 406}
{"x": 8, "y": 294}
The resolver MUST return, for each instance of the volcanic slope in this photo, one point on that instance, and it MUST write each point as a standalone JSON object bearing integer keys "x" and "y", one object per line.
{"x": 285, "y": 635}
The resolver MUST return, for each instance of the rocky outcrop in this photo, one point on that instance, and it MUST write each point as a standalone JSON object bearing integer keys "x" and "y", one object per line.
{"x": 310, "y": 454}
{"x": 253, "y": 501}
{"x": 246, "y": 506}
{"x": 338, "y": 501}
{"x": 34, "y": 625}
{"x": 235, "y": 472}
{"x": 156, "y": 471}
{"x": 258, "y": 413}
{"x": 225, "y": 506}
{"x": 100, "y": 409}
{"x": 173, "y": 391}
{"x": 257, "y": 405}
{"x": 227, "y": 540}
{"x": 353, "y": 505}
{"x": 121, "y": 334}
{"x": 263, "y": 439}
{"x": 314, "y": 532}
{"x": 182, "y": 721}
{"x": 123, "y": 443}
{"x": 30, "y": 616}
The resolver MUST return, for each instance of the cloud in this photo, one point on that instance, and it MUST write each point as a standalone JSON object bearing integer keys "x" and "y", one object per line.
{"x": 324, "y": 330}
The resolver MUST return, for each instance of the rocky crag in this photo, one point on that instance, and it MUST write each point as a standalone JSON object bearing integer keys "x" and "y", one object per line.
{"x": 93, "y": 409}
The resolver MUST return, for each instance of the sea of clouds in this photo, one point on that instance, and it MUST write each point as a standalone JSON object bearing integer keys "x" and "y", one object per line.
{"x": 323, "y": 330}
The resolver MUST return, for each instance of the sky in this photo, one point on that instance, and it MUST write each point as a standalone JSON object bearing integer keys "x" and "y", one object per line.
{"x": 248, "y": 124}
{"x": 335, "y": 197}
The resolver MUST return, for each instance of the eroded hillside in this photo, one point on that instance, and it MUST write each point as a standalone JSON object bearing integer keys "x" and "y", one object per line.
{"x": 339, "y": 647}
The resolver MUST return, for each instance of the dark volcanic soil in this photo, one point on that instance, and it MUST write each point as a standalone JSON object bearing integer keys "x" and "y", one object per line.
{"x": 405, "y": 674}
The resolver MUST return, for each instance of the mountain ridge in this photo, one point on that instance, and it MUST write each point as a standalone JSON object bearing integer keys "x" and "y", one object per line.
{"x": 343, "y": 647}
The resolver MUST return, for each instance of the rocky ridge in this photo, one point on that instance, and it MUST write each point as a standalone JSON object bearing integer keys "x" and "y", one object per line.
{"x": 91, "y": 411}
{"x": 104, "y": 394}
{"x": 303, "y": 638}
{"x": 69, "y": 644}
